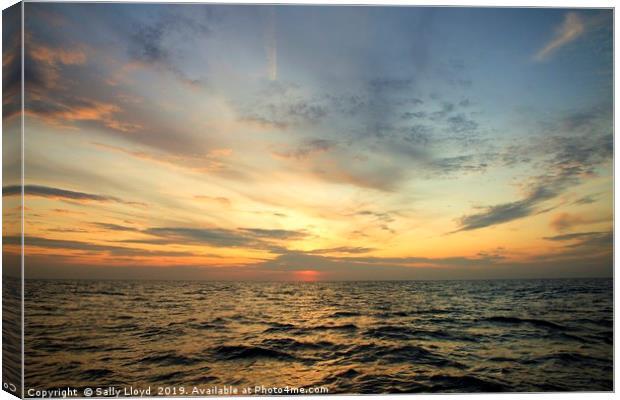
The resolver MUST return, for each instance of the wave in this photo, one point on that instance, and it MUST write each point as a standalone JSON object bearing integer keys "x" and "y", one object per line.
{"x": 290, "y": 328}
{"x": 413, "y": 313}
{"x": 108, "y": 293}
{"x": 569, "y": 358}
{"x": 156, "y": 333}
{"x": 292, "y": 344}
{"x": 171, "y": 377}
{"x": 345, "y": 314}
{"x": 605, "y": 322}
{"x": 465, "y": 383}
{"x": 95, "y": 374}
{"x": 169, "y": 359}
{"x": 514, "y": 320}
{"x": 381, "y": 383}
{"x": 279, "y": 327}
{"x": 202, "y": 325}
{"x": 250, "y": 352}
{"x": 405, "y": 333}
{"x": 343, "y": 327}
{"x": 372, "y": 352}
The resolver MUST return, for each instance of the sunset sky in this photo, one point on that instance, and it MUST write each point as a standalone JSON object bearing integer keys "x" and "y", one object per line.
{"x": 312, "y": 143}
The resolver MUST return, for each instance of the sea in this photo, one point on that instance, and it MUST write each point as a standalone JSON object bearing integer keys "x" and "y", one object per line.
{"x": 324, "y": 337}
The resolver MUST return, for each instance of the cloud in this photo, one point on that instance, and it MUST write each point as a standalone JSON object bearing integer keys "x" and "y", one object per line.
{"x": 69, "y": 79}
{"x": 115, "y": 227}
{"x": 572, "y": 28}
{"x": 586, "y": 239}
{"x": 280, "y": 105}
{"x": 61, "y": 194}
{"x": 589, "y": 199}
{"x": 281, "y": 234}
{"x": 461, "y": 164}
{"x": 307, "y": 149}
{"x": 343, "y": 249}
{"x": 386, "y": 155}
{"x": 253, "y": 238}
{"x": 276, "y": 270}
{"x": 567, "y": 161}
{"x": 209, "y": 162}
{"x": 154, "y": 43}
{"x": 419, "y": 135}
{"x": 376, "y": 267}
{"x": 350, "y": 104}
{"x": 568, "y": 263}
{"x": 484, "y": 265}
{"x": 384, "y": 84}
{"x": 380, "y": 215}
{"x": 408, "y": 115}
{"x": 66, "y": 111}
{"x": 501, "y": 213}
{"x": 57, "y": 244}
{"x": 544, "y": 189}
{"x": 211, "y": 236}
{"x": 446, "y": 108}
{"x": 460, "y": 123}
{"x": 565, "y": 221}
{"x": 221, "y": 201}
{"x": 380, "y": 219}
{"x": 581, "y": 120}
{"x": 11, "y": 62}
{"x": 485, "y": 259}
{"x": 75, "y": 96}
{"x": 146, "y": 44}
{"x": 54, "y": 56}
{"x": 384, "y": 177}
{"x": 262, "y": 121}
{"x": 285, "y": 114}
{"x": 369, "y": 134}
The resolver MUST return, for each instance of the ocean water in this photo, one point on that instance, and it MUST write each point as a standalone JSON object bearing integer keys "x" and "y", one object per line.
{"x": 11, "y": 334}
{"x": 349, "y": 337}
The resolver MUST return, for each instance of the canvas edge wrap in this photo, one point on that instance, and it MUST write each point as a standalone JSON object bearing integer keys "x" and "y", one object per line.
{"x": 12, "y": 199}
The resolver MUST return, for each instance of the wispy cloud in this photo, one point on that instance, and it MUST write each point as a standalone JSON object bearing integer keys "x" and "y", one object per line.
{"x": 252, "y": 238}
{"x": 572, "y": 28}
{"x": 72, "y": 245}
{"x": 570, "y": 160}
{"x": 506, "y": 212}
{"x": 218, "y": 200}
{"x": 586, "y": 239}
{"x": 210, "y": 161}
{"x": 115, "y": 227}
{"x": 566, "y": 221}
{"x": 282, "y": 234}
{"x": 62, "y": 194}
{"x": 343, "y": 249}
{"x": 149, "y": 43}
{"x": 308, "y": 148}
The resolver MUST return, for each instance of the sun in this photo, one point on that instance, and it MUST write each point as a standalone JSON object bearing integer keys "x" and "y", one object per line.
{"x": 308, "y": 275}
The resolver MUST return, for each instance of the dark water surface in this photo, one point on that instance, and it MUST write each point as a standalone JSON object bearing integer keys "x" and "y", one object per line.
{"x": 12, "y": 334}
{"x": 352, "y": 337}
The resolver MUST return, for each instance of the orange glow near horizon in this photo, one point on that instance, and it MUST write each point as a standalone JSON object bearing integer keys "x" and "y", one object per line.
{"x": 309, "y": 275}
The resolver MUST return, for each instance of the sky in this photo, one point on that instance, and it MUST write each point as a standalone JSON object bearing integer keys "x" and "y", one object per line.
{"x": 314, "y": 142}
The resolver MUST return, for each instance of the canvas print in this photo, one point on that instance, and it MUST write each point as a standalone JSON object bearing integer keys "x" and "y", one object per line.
{"x": 213, "y": 199}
